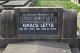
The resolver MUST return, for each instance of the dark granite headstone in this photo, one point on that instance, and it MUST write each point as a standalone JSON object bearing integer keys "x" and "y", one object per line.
{"x": 78, "y": 1}
{"x": 39, "y": 23}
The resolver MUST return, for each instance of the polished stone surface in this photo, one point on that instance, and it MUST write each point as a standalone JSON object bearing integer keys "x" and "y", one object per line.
{"x": 2, "y": 2}
{"x": 38, "y": 47}
{"x": 15, "y": 3}
{"x": 75, "y": 50}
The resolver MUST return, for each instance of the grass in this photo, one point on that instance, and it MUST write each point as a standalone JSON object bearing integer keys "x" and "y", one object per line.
{"x": 57, "y": 3}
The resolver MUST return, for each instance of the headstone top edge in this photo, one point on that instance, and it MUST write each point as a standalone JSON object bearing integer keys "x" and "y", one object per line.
{"x": 40, "y": 7}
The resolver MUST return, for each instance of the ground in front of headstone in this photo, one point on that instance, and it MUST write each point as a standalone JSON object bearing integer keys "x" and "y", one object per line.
{"x": 1, "y": 50}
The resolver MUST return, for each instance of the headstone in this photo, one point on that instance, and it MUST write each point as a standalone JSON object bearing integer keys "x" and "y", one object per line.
{"x": 79, "y": 1}
{"x": 39, "y": 23}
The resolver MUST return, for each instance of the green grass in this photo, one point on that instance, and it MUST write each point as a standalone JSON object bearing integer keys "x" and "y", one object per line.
{"x": 58, "y": 3}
